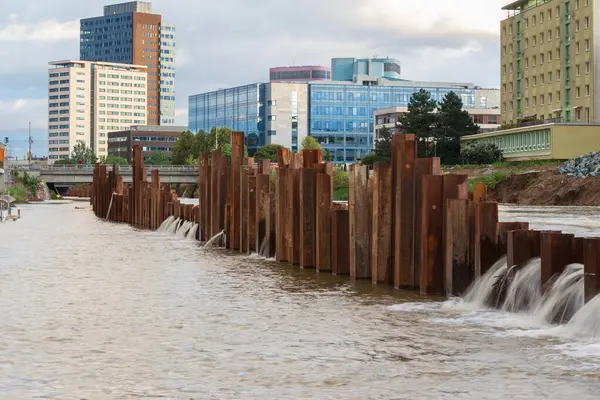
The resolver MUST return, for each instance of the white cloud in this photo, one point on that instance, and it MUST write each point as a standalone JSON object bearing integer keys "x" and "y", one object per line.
{"x": 44, "y": 31}
{"x": 17, "y": 113}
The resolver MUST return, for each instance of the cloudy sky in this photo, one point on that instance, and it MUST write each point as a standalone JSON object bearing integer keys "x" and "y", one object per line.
{"x": 230, "y": 42}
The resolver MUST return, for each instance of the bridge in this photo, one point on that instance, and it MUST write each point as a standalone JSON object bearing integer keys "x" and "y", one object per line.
{"x": 63, "y": 176}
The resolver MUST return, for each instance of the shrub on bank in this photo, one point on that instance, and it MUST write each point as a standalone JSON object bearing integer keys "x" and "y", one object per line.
{"x": 481, "y": 153}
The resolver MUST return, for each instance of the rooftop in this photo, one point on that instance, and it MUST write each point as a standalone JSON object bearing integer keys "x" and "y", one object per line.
{"x": 63, "y": 63}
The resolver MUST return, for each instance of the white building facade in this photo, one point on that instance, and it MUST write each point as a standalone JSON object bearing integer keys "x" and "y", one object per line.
{"x": 86, "y": 100}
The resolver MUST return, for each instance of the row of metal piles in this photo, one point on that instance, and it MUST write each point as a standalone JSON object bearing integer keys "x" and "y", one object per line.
{"x": 405, "y": 224}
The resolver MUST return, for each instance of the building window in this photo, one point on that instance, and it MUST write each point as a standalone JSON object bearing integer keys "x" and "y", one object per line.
{"x": 587, "y": 90}
{"x": 587, "y": 22}
{"x": 272, "y": 102}
{"x": 541, "y": 59}
{"x": 541, "y": 79}
{"x": 549, "y": 35}
{"x": 587, "y": 44}
{"x": 271, "y": 133}
{"x": 527, "y": 102}
{"x": 577, "y": 70}
{"x": 526, "y": 82}
{"x": 577, "y": 92}
{"x": 526, "y": 43}
{"x": 578, "y": 114}
{"x": 587, "y": 67}
{"x": 577, "y": 25}
{"x": 541, "y": 99}
{"x": 542, "y": 38}
{"x": 576, "y": 47}
{"x": 549, "y": 98}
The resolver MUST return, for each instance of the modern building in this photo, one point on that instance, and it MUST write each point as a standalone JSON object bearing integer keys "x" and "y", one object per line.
{"x": 300, "y": 74}
{"x": 129, "y": 33}
{"x": 552, "y": 141}
{"x": 488, "y": 119}
{"x": 2, "y": 165}
{"x": 337, "y": 114}
{"x": 86, "y": 100}
{"x": 548, "y": 70}
{"x": 269, "y": 113}
{"x": 149, "y": 138}
{"x": 364, "y": 69}
{"x": 341, "y": 113}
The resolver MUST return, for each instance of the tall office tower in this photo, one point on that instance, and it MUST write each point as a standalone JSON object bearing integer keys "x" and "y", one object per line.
{"x": 548, "y": 71}
{"x": 130, "y": 33}
{"x": 86, "y": 100}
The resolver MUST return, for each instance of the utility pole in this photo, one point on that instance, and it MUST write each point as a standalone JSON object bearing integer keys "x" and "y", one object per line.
{"x": 30, "y": 142}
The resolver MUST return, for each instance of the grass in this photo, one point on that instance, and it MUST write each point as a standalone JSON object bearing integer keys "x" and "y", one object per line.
{"x": 490, "y": 180}
{"x": 506, "y": 164}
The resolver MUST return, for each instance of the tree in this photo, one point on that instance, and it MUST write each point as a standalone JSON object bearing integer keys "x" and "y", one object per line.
{"x": 157, "y": 158}
{"x": 310, "y": 143}
{"x": 184, "y": 146}
{"x": 453, "y": 123}
{"x": 112, "y": 159}
{"x": 83, "y": 153}
{"x": 268, "y": 152}
{"x": 226, "y": 150}
{"x": 327, "y": 156}
{"x": 480, "y": 153}
{"x": 420, "y": 120}
{"x": 383, "y": 145}
{"x": 383, "y": 148}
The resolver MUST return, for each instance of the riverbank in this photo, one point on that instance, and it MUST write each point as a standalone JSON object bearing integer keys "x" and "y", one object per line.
{"x": 532, "y": 184}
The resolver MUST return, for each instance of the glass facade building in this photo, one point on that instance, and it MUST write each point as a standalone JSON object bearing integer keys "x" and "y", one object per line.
{"x": 341, "y": 115}
{"x": 348, "y": 69}
{"x": 240, "y": 108}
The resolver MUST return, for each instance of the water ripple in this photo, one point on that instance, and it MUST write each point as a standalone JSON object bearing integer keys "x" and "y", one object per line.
{"x": 96, "y": 310}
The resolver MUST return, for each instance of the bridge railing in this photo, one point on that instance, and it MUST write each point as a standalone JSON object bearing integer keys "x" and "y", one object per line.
{"x": 122, "y": 168}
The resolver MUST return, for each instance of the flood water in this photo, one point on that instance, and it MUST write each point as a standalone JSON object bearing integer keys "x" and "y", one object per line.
{"x": 93, "y": 310}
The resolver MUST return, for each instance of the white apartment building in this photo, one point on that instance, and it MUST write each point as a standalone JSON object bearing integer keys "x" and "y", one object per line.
{"x": 86, "y": 100}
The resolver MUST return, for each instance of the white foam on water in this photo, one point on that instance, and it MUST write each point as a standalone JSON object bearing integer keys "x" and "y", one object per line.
{"x": 413, "y": 307}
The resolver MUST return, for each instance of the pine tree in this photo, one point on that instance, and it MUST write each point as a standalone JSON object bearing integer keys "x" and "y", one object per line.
{"x": 453, "y": 123}
{"x": 420, "y": 119}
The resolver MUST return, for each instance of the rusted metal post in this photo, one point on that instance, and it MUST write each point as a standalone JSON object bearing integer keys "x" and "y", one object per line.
{"x": 480, "y": 191}
{"x": 591, "y": 266}
{"x": 486, "y": 237}
{"x": 282, "y": 218}
{"x": 555, "y": 253}
{"x": 360, "y": 222}
{"x": 423, "y": 167}
{"x": 406, "y": 153}
{"x": 307, "y": 211}
{"x": 340, "y": 241}
{"x": 323, "y": 222}
{"x": 432, "y": 250}
{"x": 503, "y": 229}
{"x": 237, "y": 154}
{"x": 522, "y": 246}
{"x": 456, "y": 263}
{"x": 251, "y": 229}
{"x": 381, "y": 245}
{"x": 204, "y": 195}
{"x": 263, "y": 206}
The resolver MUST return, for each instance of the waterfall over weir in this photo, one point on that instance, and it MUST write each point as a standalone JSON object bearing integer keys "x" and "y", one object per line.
{"x": 519, "y": 290}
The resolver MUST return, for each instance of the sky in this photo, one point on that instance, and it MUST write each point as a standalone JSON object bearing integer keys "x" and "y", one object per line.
{"x": 234, "y": 42}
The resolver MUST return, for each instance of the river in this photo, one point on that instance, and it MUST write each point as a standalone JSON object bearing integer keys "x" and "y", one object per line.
{"x": 93, "y": 310}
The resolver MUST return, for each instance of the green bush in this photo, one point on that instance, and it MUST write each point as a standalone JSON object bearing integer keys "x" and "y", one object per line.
{"x": 19, "y": 192}
{"x": 490, "y": 180}
{"x": 481, "y": 153}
